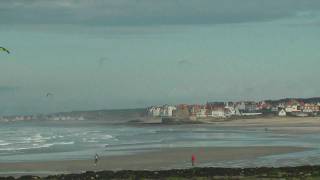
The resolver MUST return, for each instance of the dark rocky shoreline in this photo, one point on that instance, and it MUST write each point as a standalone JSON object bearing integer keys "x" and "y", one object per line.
{"x": 301, "y": 172}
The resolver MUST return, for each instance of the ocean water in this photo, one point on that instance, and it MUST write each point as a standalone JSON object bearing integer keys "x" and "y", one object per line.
{"x": 60, "y": 140}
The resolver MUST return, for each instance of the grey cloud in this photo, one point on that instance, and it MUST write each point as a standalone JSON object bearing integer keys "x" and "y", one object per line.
{"x": 149, "y": 12}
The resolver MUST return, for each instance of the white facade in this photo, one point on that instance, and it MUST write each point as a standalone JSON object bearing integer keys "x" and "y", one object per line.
{"x": 282, "y": 113}
{"x": 154, "y": 111}
{"x": 293, "y": 108}
{"x": 237, "y": 112}
{"x": 241, "y": 106}
{"x": 230, "y": 111}
{"x": 165, "y": 111}
{"x": 169, "y": 110}
{"x": 218, "y": 114}
{"x": 202, "y": 113}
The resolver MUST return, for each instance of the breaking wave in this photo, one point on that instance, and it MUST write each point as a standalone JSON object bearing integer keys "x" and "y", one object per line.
{"x": 36, "y": 146}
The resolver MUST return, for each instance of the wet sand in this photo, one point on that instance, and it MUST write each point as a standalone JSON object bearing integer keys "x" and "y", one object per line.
{"x": 160, "y": 159}
{"x": 273, "y": 121}
{"x": 279, "y": 125}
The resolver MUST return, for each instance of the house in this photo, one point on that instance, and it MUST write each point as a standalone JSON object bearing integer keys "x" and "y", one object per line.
{"x": 282, "y": 113}
{"x": 194, "y": 109}
{"x": 167, "y": 110}
{"x": 237, "y": 112}
{"x": 218, "y": 113}
{"x": 216, "y": 109}
{"x": 241, "y": 106}
{"x": 215, "y": 105}
{"x": 181, "y": 111}
{"x": 154, "y": 111}
{"x": 230, "y": 110}
{"x": 250, "y": 107}
{"x": 293, "y": 106}
{"x": 263, "y": 105}
{"x": 274, "y": 109}
{"x": 202, "y": 113}
{"x": 310, "y": 107}
{"x": 247, "y": 107}
{"x": 281, "y": 105}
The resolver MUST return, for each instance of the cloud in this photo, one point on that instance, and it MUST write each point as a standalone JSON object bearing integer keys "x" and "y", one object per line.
{"x": 8, "y": 89}
{"x": 148, "y": 12}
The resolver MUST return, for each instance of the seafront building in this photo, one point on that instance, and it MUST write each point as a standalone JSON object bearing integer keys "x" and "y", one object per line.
{"x": 207, "y": 111}
{"x": 161, "y": 111}
{"x": 221, "y": 110}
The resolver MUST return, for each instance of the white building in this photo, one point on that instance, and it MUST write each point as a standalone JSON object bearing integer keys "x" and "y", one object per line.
{"x": 202, "y": 113}
{"x": 230, "y": 111}
{"x": 154, "y": 111}
{"x": 218, "y": 114}
{"x": 241, "y": 106}
{"x": 237, "y": 112}
{"x": 165, "y": 111}
{"x": 169, "y": 110}
{"x": 282, "y": 113}
{"x": 293, "y": 108}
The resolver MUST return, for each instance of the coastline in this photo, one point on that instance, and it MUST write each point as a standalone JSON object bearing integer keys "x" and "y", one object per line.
{"x": 257, "y": 121}
{"x": 263, "y": 173}
{"x": 159, "y": 159}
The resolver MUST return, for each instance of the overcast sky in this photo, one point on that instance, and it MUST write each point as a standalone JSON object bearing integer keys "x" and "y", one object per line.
{"x": 106, "y": 54}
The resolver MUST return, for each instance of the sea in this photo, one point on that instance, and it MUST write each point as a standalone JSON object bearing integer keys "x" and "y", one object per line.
{"x": 49, "y": 140}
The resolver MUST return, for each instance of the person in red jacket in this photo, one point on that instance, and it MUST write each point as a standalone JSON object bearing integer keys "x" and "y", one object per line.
{"x": 193, "y": 159}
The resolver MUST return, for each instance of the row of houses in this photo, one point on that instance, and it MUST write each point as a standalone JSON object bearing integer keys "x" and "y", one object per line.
{"x": 216, "y": 109}
{"x": 161, "y": 111}
{"x": 15, "y": 118}
{"x": 228, "y": 109}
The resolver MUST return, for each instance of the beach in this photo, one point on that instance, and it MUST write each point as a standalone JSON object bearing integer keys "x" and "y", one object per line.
{"x": 162, "y": 159}
{"x": 238, "y": 143}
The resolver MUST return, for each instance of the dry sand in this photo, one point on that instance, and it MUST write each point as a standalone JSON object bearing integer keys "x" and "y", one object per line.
{"x": 156, "y": 160}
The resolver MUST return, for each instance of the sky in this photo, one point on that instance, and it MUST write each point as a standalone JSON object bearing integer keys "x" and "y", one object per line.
{"x": 114, "y": 54}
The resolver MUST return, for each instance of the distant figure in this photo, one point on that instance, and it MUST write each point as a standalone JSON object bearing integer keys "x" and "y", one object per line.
{"x": 96, "y": 158}
{"x": 193, "y": 159}
{"x": 265, "y": 129}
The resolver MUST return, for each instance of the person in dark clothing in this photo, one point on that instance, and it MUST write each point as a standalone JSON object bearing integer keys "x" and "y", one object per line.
{"x": 96, "y": 158}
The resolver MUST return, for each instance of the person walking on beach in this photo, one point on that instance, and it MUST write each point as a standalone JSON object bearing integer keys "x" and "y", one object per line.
{"x": 193, "y": 159}
{"x": 96, "y": 158}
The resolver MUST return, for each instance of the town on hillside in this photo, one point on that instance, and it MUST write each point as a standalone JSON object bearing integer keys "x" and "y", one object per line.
{"x": 224, "y": 110}
{"x": 294, "y": 107}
